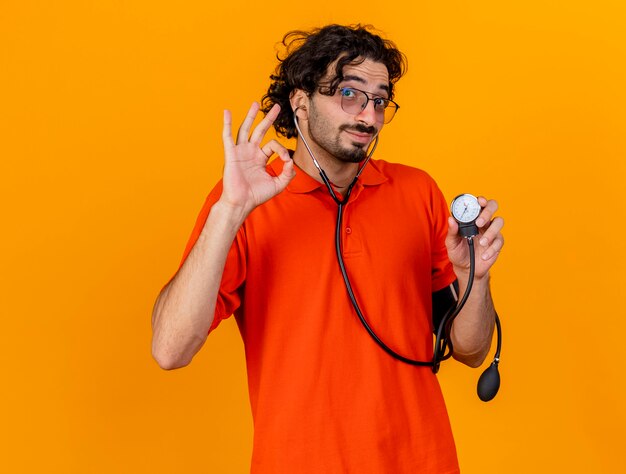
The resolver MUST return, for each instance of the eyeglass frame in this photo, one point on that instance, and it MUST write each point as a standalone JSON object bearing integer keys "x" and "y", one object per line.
{"x": 373, "y": 97}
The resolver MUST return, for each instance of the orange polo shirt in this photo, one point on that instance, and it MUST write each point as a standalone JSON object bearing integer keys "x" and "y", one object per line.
{"x": 325, "y": 398}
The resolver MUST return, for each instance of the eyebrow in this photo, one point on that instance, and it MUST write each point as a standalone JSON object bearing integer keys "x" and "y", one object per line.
{"x": 362, "y": 81}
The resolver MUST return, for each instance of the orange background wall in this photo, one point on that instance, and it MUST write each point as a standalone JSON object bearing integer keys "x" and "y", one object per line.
{"x": 110, "y": 117}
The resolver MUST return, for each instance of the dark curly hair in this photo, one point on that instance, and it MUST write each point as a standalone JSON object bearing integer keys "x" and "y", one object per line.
{"x": 308, "y": 55}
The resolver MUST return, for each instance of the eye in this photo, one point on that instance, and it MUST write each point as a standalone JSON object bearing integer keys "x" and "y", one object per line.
{"x": 348, "y": 93}
{"x": 380, "y": 103}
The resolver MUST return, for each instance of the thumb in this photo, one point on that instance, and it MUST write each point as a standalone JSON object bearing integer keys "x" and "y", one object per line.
{"x": 453, "y": 238}
{"x": 287, "y": 174}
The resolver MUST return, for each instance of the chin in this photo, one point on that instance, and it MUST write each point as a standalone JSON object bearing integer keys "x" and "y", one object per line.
{"x": 351, "y": 158}
{"x": 355, "y": 154}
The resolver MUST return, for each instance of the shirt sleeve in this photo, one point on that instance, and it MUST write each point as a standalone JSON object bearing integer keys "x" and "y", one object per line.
{"x": 442, "y": 271}
{"x": 229, "y": 294}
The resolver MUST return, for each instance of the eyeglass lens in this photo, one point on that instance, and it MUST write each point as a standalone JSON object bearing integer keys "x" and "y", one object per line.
{"x": 353, "y": 101}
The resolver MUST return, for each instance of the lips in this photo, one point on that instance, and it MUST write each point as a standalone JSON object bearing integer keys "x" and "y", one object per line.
{"x": 359, "y": 136}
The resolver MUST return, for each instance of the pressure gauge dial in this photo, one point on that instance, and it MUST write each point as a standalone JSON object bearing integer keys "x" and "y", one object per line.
{"x": 465, "y": 209}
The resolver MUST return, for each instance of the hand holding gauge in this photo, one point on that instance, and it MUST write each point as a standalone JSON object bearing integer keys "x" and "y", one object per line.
{"x": 474, "y": 217}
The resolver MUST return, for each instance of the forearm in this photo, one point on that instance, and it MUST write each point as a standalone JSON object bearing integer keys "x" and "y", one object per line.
{"x": 185, "y": 308}
{"x": 472, "y": 329}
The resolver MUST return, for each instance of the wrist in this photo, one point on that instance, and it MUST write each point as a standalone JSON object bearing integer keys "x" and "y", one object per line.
{"x": 463, "y": 273}
{"x": 230, "y": 214}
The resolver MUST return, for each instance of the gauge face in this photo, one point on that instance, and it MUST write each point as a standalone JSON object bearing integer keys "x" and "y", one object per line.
{"x": 465, "y": 208}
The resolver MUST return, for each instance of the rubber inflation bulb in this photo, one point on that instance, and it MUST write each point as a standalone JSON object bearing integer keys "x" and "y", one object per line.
{"x": 489, "y": 383}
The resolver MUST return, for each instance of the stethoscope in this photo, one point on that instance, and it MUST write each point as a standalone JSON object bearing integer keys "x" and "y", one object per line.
{"x": 489, "y": 381}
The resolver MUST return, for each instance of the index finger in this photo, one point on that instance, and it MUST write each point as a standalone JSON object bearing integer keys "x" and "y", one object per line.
{"x": 489, "y": 209}
{"x": 264, "y": 125}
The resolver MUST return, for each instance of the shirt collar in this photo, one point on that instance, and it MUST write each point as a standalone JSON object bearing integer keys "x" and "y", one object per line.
{"x": 303, "y": 183}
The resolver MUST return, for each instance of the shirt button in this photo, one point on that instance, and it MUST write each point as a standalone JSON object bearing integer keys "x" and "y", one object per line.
{"x": 348, "y": 230}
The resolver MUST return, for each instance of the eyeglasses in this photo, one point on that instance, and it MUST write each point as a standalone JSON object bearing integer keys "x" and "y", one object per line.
{"x": 354, "y": 101}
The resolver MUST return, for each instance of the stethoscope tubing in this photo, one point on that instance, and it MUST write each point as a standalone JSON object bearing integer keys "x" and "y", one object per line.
{"x": 442, "y": 338}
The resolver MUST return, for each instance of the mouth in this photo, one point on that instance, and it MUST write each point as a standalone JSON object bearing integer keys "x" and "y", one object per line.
{"x": 360, "y": 137}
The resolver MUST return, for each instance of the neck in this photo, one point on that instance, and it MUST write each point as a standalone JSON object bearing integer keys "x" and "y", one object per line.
{"x": 340, "y": 173}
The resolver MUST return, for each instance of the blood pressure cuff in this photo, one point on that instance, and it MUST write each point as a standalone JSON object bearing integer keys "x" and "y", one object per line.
{"x": 443, "y": 301}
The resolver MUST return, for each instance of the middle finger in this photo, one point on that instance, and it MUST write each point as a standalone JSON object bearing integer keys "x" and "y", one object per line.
{"x": 261, "y": 129}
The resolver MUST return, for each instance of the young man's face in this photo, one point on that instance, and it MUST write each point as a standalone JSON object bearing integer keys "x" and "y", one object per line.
{"x": 346, "y": 135}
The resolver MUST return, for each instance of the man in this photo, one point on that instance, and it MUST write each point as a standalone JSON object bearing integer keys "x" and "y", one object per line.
{"x": 325, "y": 398}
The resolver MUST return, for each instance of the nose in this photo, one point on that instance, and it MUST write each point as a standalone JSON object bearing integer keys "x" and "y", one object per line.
{"x": 368, "y": 114}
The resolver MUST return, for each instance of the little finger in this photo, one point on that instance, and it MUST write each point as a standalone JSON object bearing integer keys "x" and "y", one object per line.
{"x": 227, "y": 134}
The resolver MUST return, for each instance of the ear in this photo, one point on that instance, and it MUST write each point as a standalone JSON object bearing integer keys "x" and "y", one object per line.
{"x": 299, "y": 100}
